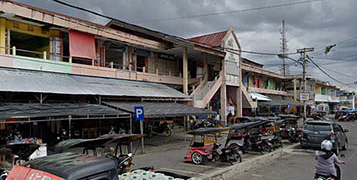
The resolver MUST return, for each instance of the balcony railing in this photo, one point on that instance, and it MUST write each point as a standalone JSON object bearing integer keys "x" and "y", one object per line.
{"x": 65, "y": 64}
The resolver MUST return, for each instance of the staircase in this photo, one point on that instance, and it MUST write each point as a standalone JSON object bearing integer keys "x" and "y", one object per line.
{"x": 247, "y": 100}
{"x": 206, "y": 92}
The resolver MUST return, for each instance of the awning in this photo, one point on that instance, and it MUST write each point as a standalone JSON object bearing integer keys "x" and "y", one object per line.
{"x": 15, "y": 80}
{"x": 280, "y": 101}
{"x": 259, "y": 97}
{"x": 81, "y": 44}
{"x": 160, "y": 109}
{"x": 35, "y": 110}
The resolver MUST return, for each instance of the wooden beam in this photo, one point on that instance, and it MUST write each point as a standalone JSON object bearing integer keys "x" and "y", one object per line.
{"x": 209, "y": 50}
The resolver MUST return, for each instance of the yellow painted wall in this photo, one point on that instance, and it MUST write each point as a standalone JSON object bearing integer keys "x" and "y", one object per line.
{"x": 2, "y": 35}
{"x": 317, "y": 90}
{"x": 31, "y": 29}
{"x": 26, "y": 29}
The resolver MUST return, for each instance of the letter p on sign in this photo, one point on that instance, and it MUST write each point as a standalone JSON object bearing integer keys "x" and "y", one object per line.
{"x": 139, "y": 113}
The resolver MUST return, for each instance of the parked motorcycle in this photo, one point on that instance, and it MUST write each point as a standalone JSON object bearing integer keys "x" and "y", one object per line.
{"x": 275, "y": 142}
{"x": 249, "y": 143}
{"x": 160, "y": 128}
{"x": 228, "y": 154}
{"x": 348, "y": 117}
{"x": 202, "y": 123}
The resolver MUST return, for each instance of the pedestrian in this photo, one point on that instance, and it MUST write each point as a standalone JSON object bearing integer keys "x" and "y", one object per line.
{"x": 326, "y": 160}
{"x": 229, "y": 118}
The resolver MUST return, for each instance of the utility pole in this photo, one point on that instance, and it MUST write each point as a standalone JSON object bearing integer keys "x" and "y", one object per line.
{"x": 304, "y": 96}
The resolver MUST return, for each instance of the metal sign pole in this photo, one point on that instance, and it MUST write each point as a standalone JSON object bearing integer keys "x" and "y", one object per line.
{"x": 69, "y": 126}
{"x": 142, "y": 132}
{"x": 139, "y": 116}
{"x": 131, "y": 125}
{"x": 131, "y": 131}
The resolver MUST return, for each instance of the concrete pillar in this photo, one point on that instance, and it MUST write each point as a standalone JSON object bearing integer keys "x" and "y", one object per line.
{"x": 223, "y": 96}
{"x": 239, "y": 101}
{"x": 185, "y": 71}
{"x": 205, "y": 66}
{"x": 295, "y": 93}
{"x": 223, "y": 112}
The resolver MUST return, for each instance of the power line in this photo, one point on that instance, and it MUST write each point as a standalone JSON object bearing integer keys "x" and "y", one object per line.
{"x": 327, "y": 73}
{"x": 339, "y": 42}
{"x": 191, "y": 16}
{"x": 83, "y": 9}
{"x": 353, "y": 77}
{"x": 228, "y": 12}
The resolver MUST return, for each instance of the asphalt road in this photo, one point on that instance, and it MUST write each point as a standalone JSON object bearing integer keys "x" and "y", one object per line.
{"x": 170, "y": 157}
{"x": 300, "y": 164}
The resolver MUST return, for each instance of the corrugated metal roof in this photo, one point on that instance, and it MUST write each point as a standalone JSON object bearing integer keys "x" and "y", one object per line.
{"x": 34, "y": 110}
{"x": 213, "y": 40}
{"x": 15, "y": 80}
{"x": 160, "y": 109}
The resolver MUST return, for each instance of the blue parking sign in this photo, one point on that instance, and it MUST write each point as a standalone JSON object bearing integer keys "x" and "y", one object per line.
{"x": 139, "y": 113}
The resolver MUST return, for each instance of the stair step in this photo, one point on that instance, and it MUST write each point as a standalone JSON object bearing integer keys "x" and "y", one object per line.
{"x": 204, "y": 90}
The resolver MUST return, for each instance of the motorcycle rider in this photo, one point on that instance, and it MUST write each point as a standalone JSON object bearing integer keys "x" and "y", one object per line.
{"x": 326, "y": 160}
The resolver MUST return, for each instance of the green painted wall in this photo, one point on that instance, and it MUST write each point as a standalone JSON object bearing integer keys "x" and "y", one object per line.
{"x": 42, "y": 65}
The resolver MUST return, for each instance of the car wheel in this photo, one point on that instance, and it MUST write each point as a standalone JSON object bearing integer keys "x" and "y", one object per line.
{"x": 197, "y": 158}
{"x": 345, "y": 147}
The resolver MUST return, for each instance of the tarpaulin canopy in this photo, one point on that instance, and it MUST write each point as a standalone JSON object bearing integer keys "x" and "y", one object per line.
{"x": 81, "y": 44}
{"x": 280, "y": 101}
{"x": 259, "y": 97}
{"x": 160, "y": 109}
{"x": 35, "y": 110}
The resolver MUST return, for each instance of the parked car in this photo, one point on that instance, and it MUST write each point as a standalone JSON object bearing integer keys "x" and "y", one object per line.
{"x": 315, "y": 132}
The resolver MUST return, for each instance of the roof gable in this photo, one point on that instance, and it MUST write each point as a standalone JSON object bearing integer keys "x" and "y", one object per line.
{"x": 213, "y": 40}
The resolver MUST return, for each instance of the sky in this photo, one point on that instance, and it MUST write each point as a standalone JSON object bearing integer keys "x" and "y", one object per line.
{"x": 312, "y": 24}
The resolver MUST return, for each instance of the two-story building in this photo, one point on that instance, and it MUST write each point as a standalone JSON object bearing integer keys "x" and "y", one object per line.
{"x": 47, "y": 57}
{"x": 270, "y": 90}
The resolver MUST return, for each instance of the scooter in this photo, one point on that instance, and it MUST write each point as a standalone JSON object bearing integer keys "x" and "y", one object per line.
{"x": 321, "y": 176}
{"x": 229, "y": 154}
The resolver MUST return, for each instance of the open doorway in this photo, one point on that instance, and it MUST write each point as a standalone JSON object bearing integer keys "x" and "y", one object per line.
{"x": 140, "y": 63}
{"x": 29, "y": 45}
{"x": 115, "y": 56}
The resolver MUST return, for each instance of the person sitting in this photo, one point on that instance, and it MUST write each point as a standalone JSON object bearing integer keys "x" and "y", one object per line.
{"x": 326, "y": 160}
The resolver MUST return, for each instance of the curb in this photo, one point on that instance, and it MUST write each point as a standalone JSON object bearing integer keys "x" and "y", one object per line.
{"x": 231, "y": 171}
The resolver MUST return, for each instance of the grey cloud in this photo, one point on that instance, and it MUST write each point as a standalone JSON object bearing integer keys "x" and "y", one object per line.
{"x": 316, "y": 24}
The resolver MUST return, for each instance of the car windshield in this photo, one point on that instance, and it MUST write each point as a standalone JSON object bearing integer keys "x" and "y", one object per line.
{"x": 317, "y": 127}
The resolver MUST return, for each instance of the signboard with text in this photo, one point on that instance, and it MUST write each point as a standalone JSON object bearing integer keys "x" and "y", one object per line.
{"x": 304, "y": 96}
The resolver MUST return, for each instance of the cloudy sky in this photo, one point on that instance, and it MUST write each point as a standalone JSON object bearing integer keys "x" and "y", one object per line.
{"x": 312, "y": 24}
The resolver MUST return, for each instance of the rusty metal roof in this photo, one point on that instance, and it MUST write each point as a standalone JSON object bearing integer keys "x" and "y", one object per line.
{"x": 15, "y": 80}
{"x": 213, "y": 40}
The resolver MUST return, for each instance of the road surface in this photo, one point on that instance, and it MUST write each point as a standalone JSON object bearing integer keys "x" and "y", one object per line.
{"x": 299, "y": 164}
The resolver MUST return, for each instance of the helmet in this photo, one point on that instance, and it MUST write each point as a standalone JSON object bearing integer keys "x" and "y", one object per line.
{"x": 326, "y": 145}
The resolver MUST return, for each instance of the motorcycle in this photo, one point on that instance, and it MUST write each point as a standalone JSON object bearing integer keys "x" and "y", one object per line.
{"x": 201, "y": 123}
{"x": 321, "y": 176}
{"x": 229, "y": 154}
{"x": 248, "y": 143}
{"x": 160, "y": 128}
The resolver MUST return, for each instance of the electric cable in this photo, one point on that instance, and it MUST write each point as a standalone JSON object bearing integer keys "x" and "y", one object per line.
{"x": 229, "y": 12}
{"x": 313, "y": 62}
